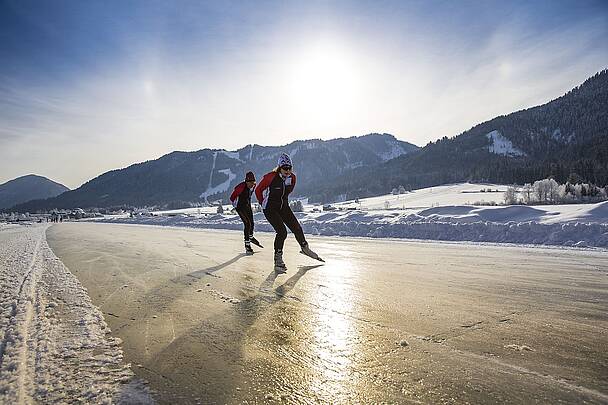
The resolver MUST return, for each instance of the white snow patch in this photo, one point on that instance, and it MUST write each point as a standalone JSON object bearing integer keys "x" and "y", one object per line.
{"x": 395, "y": 151}
{"x": 445, "y": 195}
{"x": 557, "y": 134}
{"x": 210, "y": 175}
{"x": 519, "y": 348}
{"x": 232, "y": 155}
{"x": 220, "y": 188}
{"x": 501, "y": 145}
{"x": 560, "y": 137}
{"x": 293, "y": 151}
{"x": 55, "y": 346}
{"x": 309, "y": 145}
{"x": 354, "y": 165}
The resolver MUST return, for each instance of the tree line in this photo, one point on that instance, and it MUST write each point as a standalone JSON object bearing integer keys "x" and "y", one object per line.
{"x": 549, "y": 191}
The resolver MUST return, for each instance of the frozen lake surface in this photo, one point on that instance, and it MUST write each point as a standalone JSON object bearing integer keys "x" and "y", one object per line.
{"x": 382, "y": 320}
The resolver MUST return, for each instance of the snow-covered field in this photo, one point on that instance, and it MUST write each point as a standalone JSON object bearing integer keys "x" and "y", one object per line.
{"x": 55, "y": 346}
{"x": 437, "y": 213}
{"x": 450, "y": 194}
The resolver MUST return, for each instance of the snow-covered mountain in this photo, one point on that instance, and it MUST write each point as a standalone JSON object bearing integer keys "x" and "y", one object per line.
{"x": 179, "y": 178}
{"x": 26, "y": 188}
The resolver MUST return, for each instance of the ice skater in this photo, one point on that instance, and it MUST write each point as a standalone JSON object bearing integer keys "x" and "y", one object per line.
{"x": 272, "y": 193}
{"x": 241, "y": 200}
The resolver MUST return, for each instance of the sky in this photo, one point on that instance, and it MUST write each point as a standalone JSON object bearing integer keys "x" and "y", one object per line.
{"x": 91, "y": 86}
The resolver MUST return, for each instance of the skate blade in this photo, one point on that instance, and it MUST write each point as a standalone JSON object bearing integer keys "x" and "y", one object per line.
{"x": 258, "y": 245}
{"x": 280, "y": 270}
{"x": 312, "y": 257}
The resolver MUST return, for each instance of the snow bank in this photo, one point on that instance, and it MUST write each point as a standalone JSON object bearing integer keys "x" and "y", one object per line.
{"x": 55, "y": 346}
{"x": 544, "y": 225}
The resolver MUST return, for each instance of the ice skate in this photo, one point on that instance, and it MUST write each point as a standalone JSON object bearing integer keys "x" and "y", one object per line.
{"x": 308, "y": 252}
{"x": 255, "y": 242}
{"x": 279, "y": 264}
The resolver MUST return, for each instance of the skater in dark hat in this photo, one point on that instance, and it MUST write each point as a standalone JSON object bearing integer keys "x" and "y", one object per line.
{"x": 241, "y": 200}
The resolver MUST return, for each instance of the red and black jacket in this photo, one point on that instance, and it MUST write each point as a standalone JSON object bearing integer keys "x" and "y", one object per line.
{"x": 273, "y": 190}
{"x": 241, "y": 196}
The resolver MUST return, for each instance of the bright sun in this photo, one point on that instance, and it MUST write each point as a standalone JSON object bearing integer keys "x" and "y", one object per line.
{"x": 324, "y": 82}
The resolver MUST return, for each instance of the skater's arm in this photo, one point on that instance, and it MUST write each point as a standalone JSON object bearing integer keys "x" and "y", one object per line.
{"x": 293, "y": 181}
{"x": 259, "y": 189}
{"x": 237, "y": 191}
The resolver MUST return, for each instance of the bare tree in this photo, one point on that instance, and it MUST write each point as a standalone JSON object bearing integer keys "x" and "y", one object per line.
{"x": 527, "y": 192}
{"x": 510, "y": 196}
{"x": 552, "y": 190}
{"x": 546, "y": 190}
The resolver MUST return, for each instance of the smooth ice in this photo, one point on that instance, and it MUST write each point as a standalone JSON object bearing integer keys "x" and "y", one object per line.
{"x": 382, "y": 320}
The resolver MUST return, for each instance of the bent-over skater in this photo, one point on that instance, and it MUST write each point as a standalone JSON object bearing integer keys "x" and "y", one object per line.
{"x": 272, "y": 193}
{"x": 241, "y": 200}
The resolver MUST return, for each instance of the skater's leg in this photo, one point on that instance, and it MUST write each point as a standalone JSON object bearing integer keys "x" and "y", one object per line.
{"x": 251, "y": 237}
{"x": 246, "y": 230}
{"x": 246, "y": 223}
{"x": 249, "y": 214}
{"x": 274, "y": 218}
{"x": 292, "y": 223}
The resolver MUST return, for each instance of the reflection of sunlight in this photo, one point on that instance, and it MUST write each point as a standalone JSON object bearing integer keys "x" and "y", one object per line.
{"x": 334, "y": 334}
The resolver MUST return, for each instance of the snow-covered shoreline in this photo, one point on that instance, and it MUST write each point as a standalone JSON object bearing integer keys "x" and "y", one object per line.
{"x": 55, "y": 346}
{"x": 462, "y": 212}
{"x": 546, "y": 225}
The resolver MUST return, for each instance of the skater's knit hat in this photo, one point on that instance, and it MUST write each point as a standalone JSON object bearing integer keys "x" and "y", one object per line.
{"x": 284, "y": 160}
{"x": 250, "y": 176}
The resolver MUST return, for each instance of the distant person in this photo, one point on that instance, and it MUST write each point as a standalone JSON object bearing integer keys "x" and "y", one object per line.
{"x": 272, "y": 193}
{"x": 241, "y": 200}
